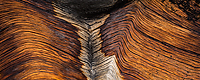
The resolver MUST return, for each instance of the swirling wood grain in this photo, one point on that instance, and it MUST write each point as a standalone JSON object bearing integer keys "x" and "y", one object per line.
{"x": 152, "y": 42}
{"x": 147, "y": 39}
{"x": 34, "y": 45}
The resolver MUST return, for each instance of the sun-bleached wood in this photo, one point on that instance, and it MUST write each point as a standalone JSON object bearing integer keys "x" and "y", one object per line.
{"x": 96, "y": 66}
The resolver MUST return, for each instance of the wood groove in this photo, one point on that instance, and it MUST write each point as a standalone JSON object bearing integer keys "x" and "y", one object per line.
{"x": 143, "y": 40}
{"x": 96, "y": 65}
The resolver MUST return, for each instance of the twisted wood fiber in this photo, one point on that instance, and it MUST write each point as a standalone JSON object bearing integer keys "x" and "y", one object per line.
{"x": 34, "y": 45}
{"x": 151, "y": 40}
{"x": 96, "y": 66}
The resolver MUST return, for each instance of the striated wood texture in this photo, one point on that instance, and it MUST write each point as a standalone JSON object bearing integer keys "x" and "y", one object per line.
{"x": 140, "y": 40}
{"x": 152, "y": 41}
{"x": 96, "y": 66}
{"x": 35, "y": 45}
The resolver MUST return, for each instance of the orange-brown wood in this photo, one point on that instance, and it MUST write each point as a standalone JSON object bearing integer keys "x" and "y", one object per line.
{"x": 36, "y": 45}
{"x": 152, "y": 41}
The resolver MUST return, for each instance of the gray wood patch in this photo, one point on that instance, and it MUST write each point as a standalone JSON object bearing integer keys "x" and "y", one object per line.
{"x": 96, "y": 66}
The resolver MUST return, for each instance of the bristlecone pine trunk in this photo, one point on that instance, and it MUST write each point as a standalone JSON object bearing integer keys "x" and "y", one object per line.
{"x": 140, "y": 40}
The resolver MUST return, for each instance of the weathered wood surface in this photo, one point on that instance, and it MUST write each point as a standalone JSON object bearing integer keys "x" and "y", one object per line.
{"x": 153, "y": 42}
{"x": 36, "y": 45}
{"x": 145, "y": 39}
